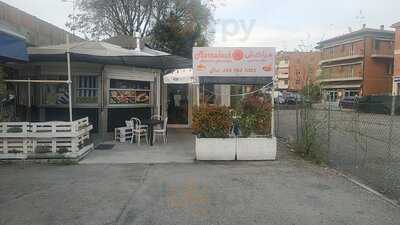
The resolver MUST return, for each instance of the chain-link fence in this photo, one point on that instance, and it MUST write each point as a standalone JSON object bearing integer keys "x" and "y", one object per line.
{"x": 362, "y": 140}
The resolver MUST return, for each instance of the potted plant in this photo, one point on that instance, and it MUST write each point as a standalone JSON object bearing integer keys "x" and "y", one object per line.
{"x": 212, "y": 125}
{"x": 255, "y": 141}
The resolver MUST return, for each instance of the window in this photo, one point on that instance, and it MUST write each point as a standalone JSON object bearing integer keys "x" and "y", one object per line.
{"x": 123, "y": 92}
{"x": 389, "y": 69}
{"x": 351, "y": 49}
{"x": 55, "y": 94}
{"x": 332, "y": 96}
{"x": 332, "y": 51}
{"x": 351, "y": 93}
{"x": 207, "y": 94}
{"x": 377, "y": 44}
{"x": 87, "y": 90}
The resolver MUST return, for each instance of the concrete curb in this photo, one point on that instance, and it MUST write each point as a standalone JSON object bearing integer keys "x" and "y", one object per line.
{"x": 369, "y": 189}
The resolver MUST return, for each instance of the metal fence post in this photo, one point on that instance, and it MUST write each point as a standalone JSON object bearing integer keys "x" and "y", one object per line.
{"x": 355, "y": 130}
{"x": 329, "y": 128}
{"x": 388, "y": 164}
{"x": 297, "y": 124}
{"x": 277, "y": 118}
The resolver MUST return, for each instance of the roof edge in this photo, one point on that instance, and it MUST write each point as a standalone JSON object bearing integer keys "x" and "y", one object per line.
{"x": 396, "y": 25}
{"x": 355, "y": 33}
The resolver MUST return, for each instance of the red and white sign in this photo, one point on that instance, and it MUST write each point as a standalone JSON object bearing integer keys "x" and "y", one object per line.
{"x": 234, "y": 62}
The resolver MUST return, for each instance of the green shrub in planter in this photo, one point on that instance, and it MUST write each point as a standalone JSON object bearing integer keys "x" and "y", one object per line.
{"x": 256, "y": 116}
{"x": 247, "y": 124}
{"x": 212, "y": 122}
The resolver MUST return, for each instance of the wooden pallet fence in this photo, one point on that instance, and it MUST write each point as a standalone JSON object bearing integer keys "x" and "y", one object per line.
{"x": 47, "y": 137}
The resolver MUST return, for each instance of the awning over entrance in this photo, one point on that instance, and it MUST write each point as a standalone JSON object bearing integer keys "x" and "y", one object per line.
{"x": 342, "y": 85}
{"x": 12, "y": 46}
{"x": 181, "y": 76}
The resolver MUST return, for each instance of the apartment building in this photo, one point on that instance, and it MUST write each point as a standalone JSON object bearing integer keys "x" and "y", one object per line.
{"x": 358, "y": 63}
{"x": 396, "y": 75}
{"x": 296, "y": 69}
{"x": 282, "y": 72}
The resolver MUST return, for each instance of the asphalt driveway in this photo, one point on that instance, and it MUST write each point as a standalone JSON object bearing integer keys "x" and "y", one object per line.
{"x": 289, "y": 191}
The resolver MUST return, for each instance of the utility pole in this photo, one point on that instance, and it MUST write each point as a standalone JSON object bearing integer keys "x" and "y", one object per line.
{"x": 69, "y": 79}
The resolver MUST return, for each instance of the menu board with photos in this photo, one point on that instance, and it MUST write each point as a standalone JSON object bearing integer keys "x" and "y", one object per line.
{"x": 129, "y": 92}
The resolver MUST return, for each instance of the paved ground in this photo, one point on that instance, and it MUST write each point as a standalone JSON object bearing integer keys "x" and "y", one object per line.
{"x": 289, "y": 191}
{"x": 364, "y": 145}
{"x": 179, "y": 149}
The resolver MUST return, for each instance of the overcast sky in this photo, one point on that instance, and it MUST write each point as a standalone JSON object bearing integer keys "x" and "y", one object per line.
{"x": 285, "y": 24}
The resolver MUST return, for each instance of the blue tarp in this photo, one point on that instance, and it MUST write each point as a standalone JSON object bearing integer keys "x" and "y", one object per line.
{"x": 12, "y": 48}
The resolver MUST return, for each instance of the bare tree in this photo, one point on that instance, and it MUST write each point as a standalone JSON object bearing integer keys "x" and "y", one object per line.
{"x": 97, "y": 19}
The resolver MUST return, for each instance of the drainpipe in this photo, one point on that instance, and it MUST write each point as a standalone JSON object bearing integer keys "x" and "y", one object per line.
{"x": 365, "y": 56}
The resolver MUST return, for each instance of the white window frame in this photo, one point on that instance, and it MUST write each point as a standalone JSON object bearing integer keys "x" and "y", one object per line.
{"x": 109, "y": 89}
{"x": 78, "y": 89}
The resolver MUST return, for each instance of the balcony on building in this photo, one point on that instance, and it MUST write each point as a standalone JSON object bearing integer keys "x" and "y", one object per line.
{"x": 383, "y": 49}
{"x": 283, "y": 64}
{"x": 283, "y": 73}
{"x": 336, "y": 56}
{"x": 341, "y": 73}
{"x": 283, "y": 76}
{"x": 283, "y": 86}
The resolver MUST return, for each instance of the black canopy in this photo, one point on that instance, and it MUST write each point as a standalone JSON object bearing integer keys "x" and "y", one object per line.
{"x": 155, "y": 62}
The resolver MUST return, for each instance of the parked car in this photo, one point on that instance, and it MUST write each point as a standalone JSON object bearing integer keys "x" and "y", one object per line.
{"x": 347, "y": 102}
{"x": 291, "y": 100}
{"x": 280, "y": 100}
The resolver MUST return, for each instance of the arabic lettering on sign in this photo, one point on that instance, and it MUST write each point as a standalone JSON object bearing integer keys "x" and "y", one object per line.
{"x": 208, "y": 61}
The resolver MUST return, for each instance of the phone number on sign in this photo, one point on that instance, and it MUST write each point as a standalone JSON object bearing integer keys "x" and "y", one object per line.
{"x": 233, "y": 70}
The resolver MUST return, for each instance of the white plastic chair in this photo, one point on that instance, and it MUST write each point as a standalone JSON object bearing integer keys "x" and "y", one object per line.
{"x": 138, "y": 130}
{"x": 161, "y": 132}
{"x": 144, "y": 126}
{"x": 156, "y": 117}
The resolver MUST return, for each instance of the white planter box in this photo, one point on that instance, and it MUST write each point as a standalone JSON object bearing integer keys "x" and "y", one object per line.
{"x": 215, "y": 148}
{"x": 256, "y": 148}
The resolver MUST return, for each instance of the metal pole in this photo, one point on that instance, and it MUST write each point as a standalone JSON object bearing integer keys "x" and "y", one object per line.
{"x": 277, "y": 117}
{"x": 197, "y": 86}
{"x": 158, "y": 90}
{"x": 198, "y": 94}
{"x": 273, "y": 110}
{"x": 297, "y": 124}
{"x": 393, "y": 111}
{"x": 69, "y": 80}
{"x": 204, "y": 95}
{"x": 29, "y": 94}
{"x": 29, "y": 101}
